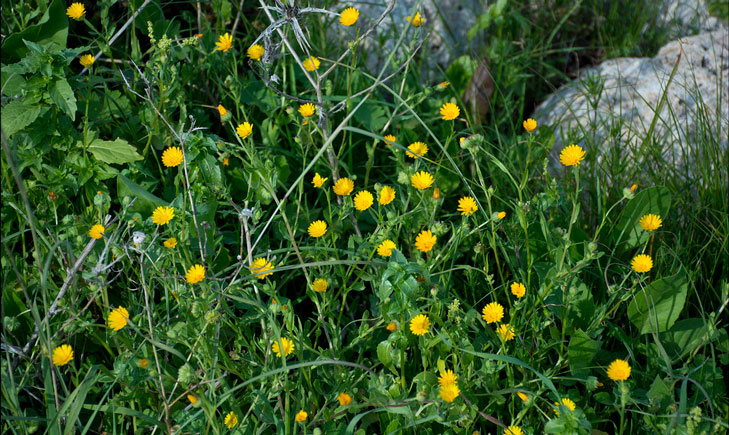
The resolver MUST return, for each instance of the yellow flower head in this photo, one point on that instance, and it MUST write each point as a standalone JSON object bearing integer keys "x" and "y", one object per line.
{"x": 420, "y": 324}
{"x": 444, "y": 85}
{"x": 255, "y": 52}
{"x": 518, "y": 289}
{"x": 425, "y": 241}
{"x": 522, "y": 396}
{"x": 447, "y": 377}
{"x": 449, "y": 112}
{"x": 193, "y": 399}
{"x": 417, "y": 20}
{"x": 118, "y": 319}
{"x": 467, "y": 205}
{"x": 97, "y": 231}
{"x": 633, "y": 187}
{"x": 195, "y": 274}
{"x": 650, "y": 222}
{"x": 513, "y": 430}
{"x": 306, "y": 110}
{"x": 392, "y": 327}
{"x": 260, "y": 266}
{"x": 320, "y": 285}
{"x": 318, "y": 181}
{"x": 163, "y": 215}
{"x": 566, "y": 402}
{"x": 244, "y": 130}
{"x": 226, "y": 161}
{"x": 76, "y": 11}
{"x": 317, "y": 229}
{"x": 222, "y": 110}
{"x": 529, "y": 125}
{"x": 343, "y": 186}
{"x": 62, "y": 355}
{"x": 436, "y": 193}
{"x": 349, "y": 16}
{"x": 231, "y": 420}
{"x": 170, "y": 243}
{"x": 311, "y": 63}
{"x": 449, "y": 392}
{"x": 421, "y": 180}
{"x": 301, "y": 416}
{"x": 417, "y": 149}
{"x": 225, "y": 42}
{"x": 172, "y": 157}
{"x": 505, "y": 331}
{"x": 143, "y": 363}
{"x": 390, "y": 139}
{"x": 572, "y": 155}
{"x": 363, "y": 200}
{"x": 492, "y": 312}
{"x": 618, "y": 370}
{"x": 286, "y": 344}
{"x": 344, "y": 399}
{"x": 642, "y": 263}
{"x": 501, "y": 215}
{"x": 386, "y": 195}
{"x": 385, "y": 248}
{"x": 86, "y": 60}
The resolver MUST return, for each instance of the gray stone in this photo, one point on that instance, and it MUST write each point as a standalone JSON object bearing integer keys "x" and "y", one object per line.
{"x": 687, "y": 17}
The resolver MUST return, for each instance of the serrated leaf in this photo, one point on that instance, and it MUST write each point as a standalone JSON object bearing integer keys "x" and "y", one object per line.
{"x": 116, "y": 151}
{"x": 657, "y": 307}
{"x": 62, "y": 94}
{"x": 17, "y": 116}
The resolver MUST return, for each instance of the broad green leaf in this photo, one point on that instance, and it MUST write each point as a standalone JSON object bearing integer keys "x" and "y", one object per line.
{"x": 51, "y": 31}
{"x": 146, "y": 202}
{"x": 658, "y": 390}
{"x": 116, "y": 151}
{"x": 459, "y": 73}
{"x": 17, "y": 116}
{"x": 62, "y": 94}
{"x": 628, "y": 234}
{"x": 384, "y": 353}
{"x": 581, "y": 351}
{"x": 684, "y": 337}
{"x": 211, "y": 171}
{"x": 657, "y": 307}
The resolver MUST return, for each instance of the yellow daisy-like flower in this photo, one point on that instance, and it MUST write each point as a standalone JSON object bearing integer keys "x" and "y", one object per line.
{"x": 501, "y": 215}
{"x": 513, "y": 430}
{"x": 363, "y": 200}
{"x": 385, "y": 248}
{"x": 447, "y": 377}
{"x": 343, "y": 186}
{"x": 618, "y": 370}
{"x": 255, "y": 52}
{"x": 317, "y": 229}
{"x": 76, "y": 11}
{"x": 392, "y": 327}
{"x": 417, "y": 149}
{"x": 222, "y": 110}
{"x": 390, "y": 139}
{"x": 301, "y": 416}
{"x": 420, "y": 324}
{"x": 86, "y": 60}
{"x": 306, "y": 110}
{"x": 349, "y": 16}
{"x": 436, "y": 193}
{"x": 62, "y": 355}
{"x": 522, "y": 396}
{"x": 172, "y": 157}
{"x": 493, "y": 312}
{"x": 193, "y": 399}
{"x": 318, "y": 181}
{"x": 566, "y": 402}
{"x": 261, "y": 265}
{"x": 195, "y": 274}
{"x": 467, "y": 205}
{"x": 449, "y": 392}
{"x": 449, "y": 112}
{"x": 417, "y": 20}
{"x": 505, "y": 331}
{"x": 421, "y": 180}
{"x": 572, "y": 155}
{"x": 226, "y": 161}
{"x": 97, "y": 231}
{"x": 518, "y": 289}
{"x": 642, "y": 263}
{"x": 118, "y": 319}
{"x": 633, "y": 187}
{"x": 143, "y": 363}
{"x": 244, "y": 130}
{"x": 444, "y": 85}
{"x": 170, "y": 243}
{"x": 286, "y": 344}
{"x": 650, "y": 222}
{"x": 425, "y": 241}
{"x": 231, "y": 420}
{"x": 311, "y": 63}
{"x": 320, "y": 285}
{"x": 225, "y": 42}
{"x": 163, "y": 215}
{"x": 386, "y": 195}
{"x": 530, "y": 125}
{"x": 344, "y": 399}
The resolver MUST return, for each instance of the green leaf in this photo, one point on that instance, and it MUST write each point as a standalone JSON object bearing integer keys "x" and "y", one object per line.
{"x": 460, "y": 72}
{"x": 384, "y": 354}
{"x": 17, "y": 116}
{"x": 117, "y": 151}
{"x": 657, "y": 307}
{"x": 658, "y": 390}
{"x": 684, "y": 337}
{"x": 62, "y": 94}
{"x": 146, "y": 202}
{"x": 371, "y": 115}
{"x": 211, "y": 171}
{"x": 51, "y": 32}
{"x": 581, "y": 351}
{"x": 628, "y": 234}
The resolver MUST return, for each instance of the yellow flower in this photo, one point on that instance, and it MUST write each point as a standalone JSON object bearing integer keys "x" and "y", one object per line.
{"x": 633, "y": 187}
{"x": 390, "y": 139}
{"x": 522, "y": 396}
{"x": 501, "y": 215}
{"x": 419, "y": 149}
{"x": 518, "y": 289}
{"x": 244, "y": 130}
{"x": 436, "y": 193}
{"x": 492, "y": 312}
{"x": 651, "y": 222}
{"x": 317, "y": 229}
{"x": 425, "y": 241}
{"x": 618, "y": 370}
{"x": 320, "y": 285}
{"x": 513, "y": 430}
{"x": 198, "y": 35}
{"x": 225, "y": 42}
{"x": 286, "y": 344}
{"x": 306, "y": 110}
{"x": 385, "y": 248}
{"x": 222, "y": 110}
{"x": 226, "y": 161}
{"x": 417, "y": 20}
{"x": 349, "y": 16}
{"x": 193, "y": 399}
{"x": 97, "y": 231}
{"x": 505, "y": 331}
{"x": 172, "y": 157}
{"x": 86, "y": 60}
{"x": 572, "y": 155}
{"x": 170, "y": 243}
{"x": 260, "y": 266}
{"x": 76, "y": 11}
{"x": 447, "y": 377}
{"x": 420, "y": 324}
{"x": 566, "y": 402}
{"x": 449, "y": 392}
{"x": 529, "y": 125}
{"x": 386, "y": 195}
{"x": 118, "y": 319}
{"x": 301, "y": 416}
{"x": 344, "y": 399}
{"x": 343, "y": 186}
{"x": 392, "y": 327}
{"x": 318, "y": 181}
{"x": 421, "y": 180}
{"x": 163, "y": 215}
{"x": 444, "y": 85}
{"x": 255, "y": 52}
{"x": 467, "y": 205}
{"x": 52, "y": 196}
{"x": 231, "y": 420}
{"x": 195, "y": 274}
{"x": 642, "y": 263}
{"x": 62, "y": 355}
{"x": 311, "y": 63}
{"x": 449, "y": 111}
{"x": 363, "y": 200}
{"x": 143, "y": 363}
